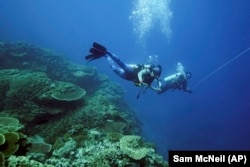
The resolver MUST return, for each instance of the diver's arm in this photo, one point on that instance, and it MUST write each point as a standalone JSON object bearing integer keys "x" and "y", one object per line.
{"x": 156, "y": 88}
{"x": 141, "y": 74}
{"x": 159, "y": 83}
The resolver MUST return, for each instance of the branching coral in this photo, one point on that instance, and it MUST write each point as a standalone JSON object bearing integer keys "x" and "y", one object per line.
{"x": 26, "y": 86}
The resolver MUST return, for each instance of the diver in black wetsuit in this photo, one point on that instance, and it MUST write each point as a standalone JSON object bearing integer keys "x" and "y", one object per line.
{"x": 141, "y": 75}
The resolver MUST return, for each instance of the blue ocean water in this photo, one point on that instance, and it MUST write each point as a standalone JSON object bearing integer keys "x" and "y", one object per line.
{"x": 203, "y": 35}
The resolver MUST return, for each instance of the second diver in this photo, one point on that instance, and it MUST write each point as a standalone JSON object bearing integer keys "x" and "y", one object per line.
{"x": 175, "y": 81}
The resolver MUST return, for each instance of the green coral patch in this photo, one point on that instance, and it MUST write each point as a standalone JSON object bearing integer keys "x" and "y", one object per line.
{"x": 9, "y": 124}
{"x": 10, "y": 146}
{"x": 114, "y": 127}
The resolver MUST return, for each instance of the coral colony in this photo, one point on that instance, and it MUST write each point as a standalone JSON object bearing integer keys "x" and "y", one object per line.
{"x": 56, "y": 113}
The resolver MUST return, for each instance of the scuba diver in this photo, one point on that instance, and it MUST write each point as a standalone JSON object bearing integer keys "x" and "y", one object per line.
{"x": 175, "y": 81}
{"x": 141, "y": 74}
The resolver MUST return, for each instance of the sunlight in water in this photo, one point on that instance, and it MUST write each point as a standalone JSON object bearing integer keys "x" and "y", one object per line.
{"x": 147, "y": 14}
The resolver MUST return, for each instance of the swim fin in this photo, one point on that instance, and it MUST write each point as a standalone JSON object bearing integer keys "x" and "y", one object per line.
{"x": 99, "y": 47}
{"x": 92, "y": 57}
{"x": 97, "y": 51}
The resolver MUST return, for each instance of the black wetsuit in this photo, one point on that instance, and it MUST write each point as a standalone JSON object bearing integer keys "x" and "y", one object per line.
{"x": 127, "y": 71}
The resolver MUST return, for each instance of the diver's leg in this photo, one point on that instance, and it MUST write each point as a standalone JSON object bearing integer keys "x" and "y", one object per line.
{"x": 118, "y": 70}
{"x": 124, "y": 66}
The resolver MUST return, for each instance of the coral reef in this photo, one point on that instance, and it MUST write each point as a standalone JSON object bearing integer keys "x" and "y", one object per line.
{"x": 12, "y": 142}
{"x": 24, "y": 56}
{"x": 130, "y": 145}
{"x": 25, "y": 161}
{"x": 101, "y": 153}
{"x": 71, "y": 114}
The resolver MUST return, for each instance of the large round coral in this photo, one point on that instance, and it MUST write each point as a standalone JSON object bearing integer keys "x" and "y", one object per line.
{"x": 65, "y": 92}
{"x": 69, "y": 93}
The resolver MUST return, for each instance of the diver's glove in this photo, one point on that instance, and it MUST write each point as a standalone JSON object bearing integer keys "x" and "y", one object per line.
{"x": 140, "y": 84}
{"x": 137, "y": 83}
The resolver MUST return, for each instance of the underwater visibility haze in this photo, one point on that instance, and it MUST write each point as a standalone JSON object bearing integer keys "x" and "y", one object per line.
{"x": 44, "y": 43}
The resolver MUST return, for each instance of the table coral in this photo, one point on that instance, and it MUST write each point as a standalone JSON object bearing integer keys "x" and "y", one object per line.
{"x": 63, "y": 91}
{"x": 71, "y": 93}
{"x": 8, "y": 124}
